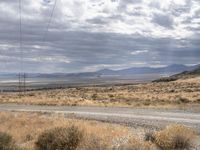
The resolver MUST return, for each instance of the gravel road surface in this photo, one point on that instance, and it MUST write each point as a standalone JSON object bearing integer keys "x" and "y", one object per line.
{"x": 149, "y": 118}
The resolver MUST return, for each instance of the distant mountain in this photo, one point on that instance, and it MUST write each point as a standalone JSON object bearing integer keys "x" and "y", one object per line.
{"x": 172, "y": 69}
{"x": 168, "y": 70}
{"x": 183, "y": 75}
{"x": 106, "y": 72}
{"x": 194, "y": 72}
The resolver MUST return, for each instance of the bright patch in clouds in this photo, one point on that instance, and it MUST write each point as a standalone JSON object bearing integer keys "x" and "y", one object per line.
{"x": 139, "y": 52}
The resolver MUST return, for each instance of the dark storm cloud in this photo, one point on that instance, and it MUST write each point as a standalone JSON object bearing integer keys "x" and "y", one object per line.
{"x": 77, "y": 42}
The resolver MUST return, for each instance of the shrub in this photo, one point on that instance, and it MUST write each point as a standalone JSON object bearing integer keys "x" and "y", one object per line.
{"x": 29, "y": 137}
{"x": 166, "y": 79}
{"x": 6, "y": 142}
{"x": 174, "y": 137}
{"x": 94, "y": 96}
{"x": 197, "y": 101}
{"x": 149, "y": 136}
{"x": 60, "y": 139}
{"x": 31, "y": 94}
{"x": 184, "y": 100}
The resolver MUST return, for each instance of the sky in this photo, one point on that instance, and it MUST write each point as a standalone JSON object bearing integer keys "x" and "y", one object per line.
{"x": 89, "y": 35}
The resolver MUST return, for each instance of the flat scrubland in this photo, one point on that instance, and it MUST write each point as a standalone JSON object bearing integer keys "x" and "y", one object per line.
{"x": 180, "y": 93}
{"x": 39, "y": 131}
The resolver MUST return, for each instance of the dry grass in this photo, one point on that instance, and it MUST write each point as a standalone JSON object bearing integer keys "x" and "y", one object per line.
{"x": 177, "y": 94}
{"x": 26, "y": 128}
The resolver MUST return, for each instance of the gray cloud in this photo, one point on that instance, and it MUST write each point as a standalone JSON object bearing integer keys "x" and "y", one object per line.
{"x": 163, "y": 20}
{"x": 86, "y": 37}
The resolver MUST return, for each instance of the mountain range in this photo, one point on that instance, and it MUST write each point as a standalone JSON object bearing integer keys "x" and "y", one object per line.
{"x": 171, "y": 69}
{"x": 183, "y": 75}
{"x": 168, "y": 70}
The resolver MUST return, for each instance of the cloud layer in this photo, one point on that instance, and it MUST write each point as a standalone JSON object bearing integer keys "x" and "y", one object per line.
{"x": 87, "y": 35}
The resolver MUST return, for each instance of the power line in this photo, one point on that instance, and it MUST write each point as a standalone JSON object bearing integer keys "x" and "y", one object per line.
{"x": 49, "y": 22}
{"x": 22, "y": 84}
{"x": 22, "y": 75}
{"x": 20, "y": 37}
{"x": 20, "y": 47}
{"x": 47, "y": 28}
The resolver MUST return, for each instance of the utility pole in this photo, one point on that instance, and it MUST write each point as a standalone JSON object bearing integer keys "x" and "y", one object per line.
{"x": 19, "y": 84}
{"x": 22, "y": 76}
{"x": 24, "y": 84}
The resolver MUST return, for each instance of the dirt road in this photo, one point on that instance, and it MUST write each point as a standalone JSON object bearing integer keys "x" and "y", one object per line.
{"x": 150, "y": 118}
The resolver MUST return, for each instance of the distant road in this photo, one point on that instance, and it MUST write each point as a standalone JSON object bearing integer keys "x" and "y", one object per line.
{"x": 150, "y": 118}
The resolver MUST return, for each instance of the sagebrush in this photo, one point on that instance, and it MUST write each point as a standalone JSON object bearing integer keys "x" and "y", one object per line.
{"x": 60, "y": 139}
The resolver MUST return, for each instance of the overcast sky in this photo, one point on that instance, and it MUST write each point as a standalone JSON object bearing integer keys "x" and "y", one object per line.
{"x": 88, "y": 35}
